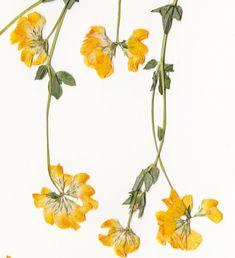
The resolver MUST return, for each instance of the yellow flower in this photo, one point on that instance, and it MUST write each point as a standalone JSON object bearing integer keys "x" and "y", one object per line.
{"x": 209, "y": 209}
{"x": 125, "y": 241}
{"x": 98, "y": 51}
{"x": 174, "y": 224}
{"x": 136, "y": 50}
{"x": 28, "y": 35}
{"x": 63, "y": 208}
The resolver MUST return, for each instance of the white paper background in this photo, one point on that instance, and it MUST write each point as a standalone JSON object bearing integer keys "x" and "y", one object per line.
{"x": 103, "y": 127}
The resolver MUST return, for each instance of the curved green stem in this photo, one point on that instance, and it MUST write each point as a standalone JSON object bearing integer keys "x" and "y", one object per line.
{"x": 119, "y": 19}
{"x": 50, "y": 55}
{"x": 20, "y": 15}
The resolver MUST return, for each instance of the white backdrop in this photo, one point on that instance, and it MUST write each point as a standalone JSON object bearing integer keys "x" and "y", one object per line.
{"x": 104, "y": 127}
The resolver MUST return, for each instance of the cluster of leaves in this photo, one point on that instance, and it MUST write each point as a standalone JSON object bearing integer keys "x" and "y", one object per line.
{"x": 137, "y": 199}
{"x": 157, "y": 79}
{"x": 69, "y": 3}
{"x": 168, "y": 13}
{"x": 55, "y": 79}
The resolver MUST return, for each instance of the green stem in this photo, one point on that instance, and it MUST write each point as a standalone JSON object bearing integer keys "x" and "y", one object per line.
{"x": 155, "y": 138}
{"x": 158, "y": 158}
{"x": 119, "y": 19}
{"x": 19, "y": 16}
{"x": 50, "y": 55}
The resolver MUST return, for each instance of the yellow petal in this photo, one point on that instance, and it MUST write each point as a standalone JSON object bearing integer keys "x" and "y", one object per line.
{"x": 89, "y": 203}
{"x": 209, "y": 203}
{"x": 188, "y": 201}
{"x": 132, "y": 243}
{"x": 40, "y": 59}
{"x": 39, "y": 200}
{"x": 48, "y": 216}
{"x": 27, "y": 57}
{"x": 140, "y": 34}
{"x": 36, "y": 19}
{"x": 111, "y": 223}
{"x": 86, "y": 190}
{"x": 119, "y": 248}
{"x": 63, "y": 221}
{"x": 215, "y": 215}
{"x": 135, "y": 47}
{"x": 106, "y": 240}
{"x": 81, "y": 178}
{"x": 78, "y": 214}
{"x": 194, "y": 239}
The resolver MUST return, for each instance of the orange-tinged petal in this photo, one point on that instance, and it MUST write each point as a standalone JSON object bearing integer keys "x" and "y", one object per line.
{"x": 78, "y": 214}
{"x": 106, "y": 240}
{"x": 209, "y": 203}
{"x": 111, "y": 223}
{"x": 132, "y": 243}
{"x": 63, "y": 221}
{"x": 36, "y": 19}
{"x": 119, "y": 248}
{"x": 86, "y": 190}
{"x": 45, "y": 190}
{"x": 140, "y": 34}
{"x": 81, "y": 178}
{"x": 89, "y": 203}
{"x": 39, "y": 200}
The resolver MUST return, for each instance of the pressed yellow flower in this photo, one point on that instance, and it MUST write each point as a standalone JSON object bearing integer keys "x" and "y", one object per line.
{"x": 28, "y": 35}
{"x": 98, "y": 51}
{"x": 63, "y": 208}
{"x": 174, "y": 224}
{"x": 136, "y": 50}
{"x": 125, "y": 241}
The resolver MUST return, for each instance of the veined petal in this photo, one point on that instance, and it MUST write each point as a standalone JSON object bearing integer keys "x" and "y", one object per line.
{"x": 107, "y": 240}
{"x": 36, "y": 19}
{"x": 40, "y": 59}
{"x": 112, "y": 223}
{"x": 140, "y": 34}
{"x": 27, "y": 57}
{"x": 48, "y": 216}
{"x": 188, "y": 201}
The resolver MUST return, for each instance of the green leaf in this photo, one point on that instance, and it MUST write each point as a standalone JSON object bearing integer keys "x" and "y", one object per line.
{"x": 151, "y": 64}
{"x": 167, "y": 81}
{"x": 178, "y": 13}
{"x": 41, "y": 72}
{"x": 160, "y": 133}
{"x": 142, "y": 204}
{"x": 127, "y": 201}
{"x": 55, "y": 86}
{"x": 155, "y": 81}
{"x": 160, "y": 85}
{"x": 148, "y": 181}
{"x": 66, "y": 78}
{"x": 154, "y": 172}
{"x": 139, "y": 181}
{"x": 168, "y": 13}
{"x": 169, "y": 68}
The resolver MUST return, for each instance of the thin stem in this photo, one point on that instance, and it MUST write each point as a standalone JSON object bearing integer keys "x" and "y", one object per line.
{"x": 118, "y": 19}
{"x": 50, "y": 55}
{"x": 155, "y": 138}
{"x": 19, "y": 16}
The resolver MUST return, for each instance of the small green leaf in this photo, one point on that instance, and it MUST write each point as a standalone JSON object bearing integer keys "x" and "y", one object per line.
{"x": 168, "y": 13}
{"x": 142, "y": 204}
{"x": 160, "y": 133}
{"x": 167, "y": 82}
{"x": 139, "y": 181}
{"x": 154, "y": 172}
{"x": 41, "y": 72}
{"x": 55, "y": 87}
{"x": 127, "y": 201}
{"x": 151, "y": 64}
{"x": 169, "y": 68}
{"x": 155, "y": 81}
{"x": 148, "y": 181}
{"x": 178, "y": 13}
{"x": 66, "y": 78}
